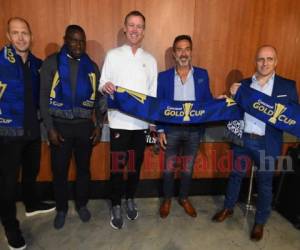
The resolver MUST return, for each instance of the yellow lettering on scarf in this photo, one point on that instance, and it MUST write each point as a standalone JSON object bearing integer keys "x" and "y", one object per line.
{"x": 92, "y": 77}
{"x": 10, "y": 55}
{"x": 276, "y": 114}
{"x": 55, "y": 82}
{"x": 186, "y": 112}
{"x": 138, "y": 96}
{"x": 2, "y": 89}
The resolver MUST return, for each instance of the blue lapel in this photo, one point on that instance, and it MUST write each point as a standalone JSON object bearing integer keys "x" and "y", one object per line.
{"x": 197, "y": 84}
{"x": 276, "y": 87}
{"x": 172, "y": 83}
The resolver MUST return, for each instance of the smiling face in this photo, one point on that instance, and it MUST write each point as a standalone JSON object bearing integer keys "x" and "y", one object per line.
{"x": 266, "y": 61}
{"x": 182, "y": 53}
{"x": 76, "y": 43}
{"x": 19, "y": 35}
{"x": 134, "y": 29}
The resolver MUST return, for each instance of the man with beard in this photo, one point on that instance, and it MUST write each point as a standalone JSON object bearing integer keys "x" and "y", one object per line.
{"x": 68, "y": 100}
{"x": 131, "y": 67}
{"x": 182, "y": 83}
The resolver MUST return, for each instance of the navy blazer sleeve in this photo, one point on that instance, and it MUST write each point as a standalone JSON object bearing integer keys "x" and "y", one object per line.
{"x": 160, "y": 95}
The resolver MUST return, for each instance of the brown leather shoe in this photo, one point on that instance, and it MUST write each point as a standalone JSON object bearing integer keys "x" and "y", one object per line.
{"x": 222, "y": 215}
{"x": 257, "y": 232}
{"x": 164, "y": 209}
{"x": 188, "y": 207}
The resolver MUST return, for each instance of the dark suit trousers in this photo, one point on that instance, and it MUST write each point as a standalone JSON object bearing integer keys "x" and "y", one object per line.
{"x": 76, "y": 141}
{"x": 14, "y": 153}
{"x": 253, "y": 150}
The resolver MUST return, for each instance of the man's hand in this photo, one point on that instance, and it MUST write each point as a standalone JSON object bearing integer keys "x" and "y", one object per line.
{"x": 54, "y": 137}
{"x": 152, "y": 128}
{"x": 109, "y": 88}
{"x": 163, "y": 140}
{"x": 222, "y": 96}
{"x": 234, "y": 88}
{"x": 96, "y": 134}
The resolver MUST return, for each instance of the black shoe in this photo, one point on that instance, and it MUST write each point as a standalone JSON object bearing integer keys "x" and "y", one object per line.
{"x": 84, "y": 214}
{"x": 15, "y": 240}
{"x": 39, "y": 208}
{"x": 59, "y": 220}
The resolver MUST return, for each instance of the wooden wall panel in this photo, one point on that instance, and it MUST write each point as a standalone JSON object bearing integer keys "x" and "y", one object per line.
{"x": 164, "y": 21}
{"x": 225, "y": 40}
{"x": 103, "y": 23}
{"x": 225, "y": 36}
{"x": 2, "y": 22}
{"x": 281, "y": 27}
{"x": 47, "y": 18}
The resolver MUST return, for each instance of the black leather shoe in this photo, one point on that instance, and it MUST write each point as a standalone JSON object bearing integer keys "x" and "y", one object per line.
{"x": 59, "y": 220}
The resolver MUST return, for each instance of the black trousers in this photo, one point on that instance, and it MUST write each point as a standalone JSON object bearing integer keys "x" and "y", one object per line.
{"x": 127, "y": 148}
{"x": 14, "y": 153}
{"x": 76, "y": 141}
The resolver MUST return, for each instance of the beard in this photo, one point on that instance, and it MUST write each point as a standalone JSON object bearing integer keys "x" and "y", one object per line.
{"x": 183, "y": 61}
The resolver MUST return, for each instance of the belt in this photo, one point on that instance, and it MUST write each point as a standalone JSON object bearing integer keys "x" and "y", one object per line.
{"x": 253, "y": 136}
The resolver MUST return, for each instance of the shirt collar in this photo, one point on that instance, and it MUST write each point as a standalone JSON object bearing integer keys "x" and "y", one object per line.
{"x": 77, "y": 59}
{"x": 190, "y": 72}
{"x": 271, "y": 79}
{"x": 128, "y": 48}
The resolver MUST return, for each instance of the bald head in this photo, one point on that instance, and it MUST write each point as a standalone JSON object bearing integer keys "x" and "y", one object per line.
{"x": 14, "y": 20}
{"x": 19, "y": 35}
{"x": 266, "y": 61}
{"x": 268, "y": 48}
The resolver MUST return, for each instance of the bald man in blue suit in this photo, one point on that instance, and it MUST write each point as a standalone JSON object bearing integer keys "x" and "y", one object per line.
{"x": 262, "y": 143}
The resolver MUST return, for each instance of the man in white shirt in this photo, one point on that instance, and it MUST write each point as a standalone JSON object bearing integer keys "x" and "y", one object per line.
{"x": 131, "y": 67}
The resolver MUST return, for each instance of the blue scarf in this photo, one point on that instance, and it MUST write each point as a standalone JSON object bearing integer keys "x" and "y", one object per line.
{"x": 268, "y": 109}
{"x": 61, "y": 102}
{"x": 176, "y": 112}
{"x": 12, "y": 90}
{"x": 285, "y": 117}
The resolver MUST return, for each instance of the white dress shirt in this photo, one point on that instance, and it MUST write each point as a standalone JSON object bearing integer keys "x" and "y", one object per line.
{"x": 137, "y": 72}
{"x": 184, "y": 91}
{"x": 252, "y": 124}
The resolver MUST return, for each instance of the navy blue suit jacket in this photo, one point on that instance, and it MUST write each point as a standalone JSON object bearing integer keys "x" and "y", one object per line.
{"x": 285, "y": 90}
{"x": 165, "y": 88}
